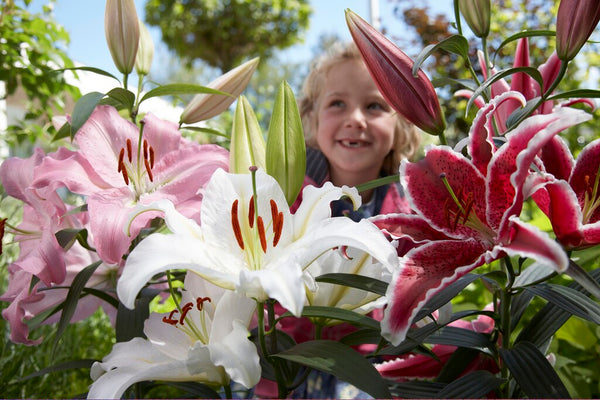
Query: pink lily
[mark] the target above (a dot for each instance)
(412, 96)
(26, 302)
(475, 214)
(575, 22)
(571, 198)
(116, 176)
(44, 212)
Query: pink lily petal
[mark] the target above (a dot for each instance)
(481, 145)
(426, 187)
(521, 82)
(557, 158)
(510, 167)
(424, 271)
(527, 240)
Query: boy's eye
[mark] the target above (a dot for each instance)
(336, 103)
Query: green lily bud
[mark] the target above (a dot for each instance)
(145, 53)
(477, 13)
(204, 106)
(575, 22)
(122, 31)
(247, 147)
(286, 151)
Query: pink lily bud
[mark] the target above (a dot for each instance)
(204, 106)
(477, 14)
(412, 96)
(575, 22)
(145, 53)
(122, 31)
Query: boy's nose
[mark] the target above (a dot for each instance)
(356, 118)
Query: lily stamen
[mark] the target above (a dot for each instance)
(235, 223)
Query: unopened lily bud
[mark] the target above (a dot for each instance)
(204, 106)
(122, 33)
(145, 52)
(477, 13)
(575, 22)
(248, 146)
(412, 96)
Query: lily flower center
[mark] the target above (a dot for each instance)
(137, 173)
(591, 199)
(179, 318)
(458, 209)
(251, 234)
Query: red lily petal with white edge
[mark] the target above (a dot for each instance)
(425, 185)
(511, 164)
(425, 271)
(557, 158)
(481, 135)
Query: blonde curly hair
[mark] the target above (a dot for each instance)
(406, 135)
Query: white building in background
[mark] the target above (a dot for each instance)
(13, 108)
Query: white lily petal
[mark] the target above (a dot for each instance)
(237, 354)
(131, 362)
(158, 253)
(315, 204)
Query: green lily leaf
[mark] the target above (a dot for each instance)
(247, 142)
(339, 360)
(64, 366)
(569, 300)
(533, 72)
(456, 44)
(339, 314)
(122, 98)
(83, 109)
(285, 149)
(453, 336)
(356, 281)
(532, 371)
(70, 303)
(130, 323)
(577, 93)
(416, 389)
(179, 88)
(475, 385)
(362, 336)
(523, 34)
(446, 295)
(63, 132)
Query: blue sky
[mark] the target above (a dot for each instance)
(84, 20)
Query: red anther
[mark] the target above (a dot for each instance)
(200, 302)
(251, 212)
(261, 234)
(149, 170)
(235, 224)
(274, 210)
(145, 149)
(277, 228)
(125, 176)
(170, 320)
(129, 151)
(151, 157)
(121, 156)
(184, 311)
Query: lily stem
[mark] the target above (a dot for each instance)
(260, 308)
(505, 317)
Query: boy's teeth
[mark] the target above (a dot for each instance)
(351, 144)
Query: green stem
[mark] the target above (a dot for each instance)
(260, 308)
(227, 389)
(505, 315)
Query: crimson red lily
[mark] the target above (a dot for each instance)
(571, 198)
(474, 213)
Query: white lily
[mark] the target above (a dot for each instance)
(253, 245)
(205, 340)
(354, 262)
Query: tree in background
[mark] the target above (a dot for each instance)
(245, 28)
(31, 48)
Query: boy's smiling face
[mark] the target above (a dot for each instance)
(355, 126)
